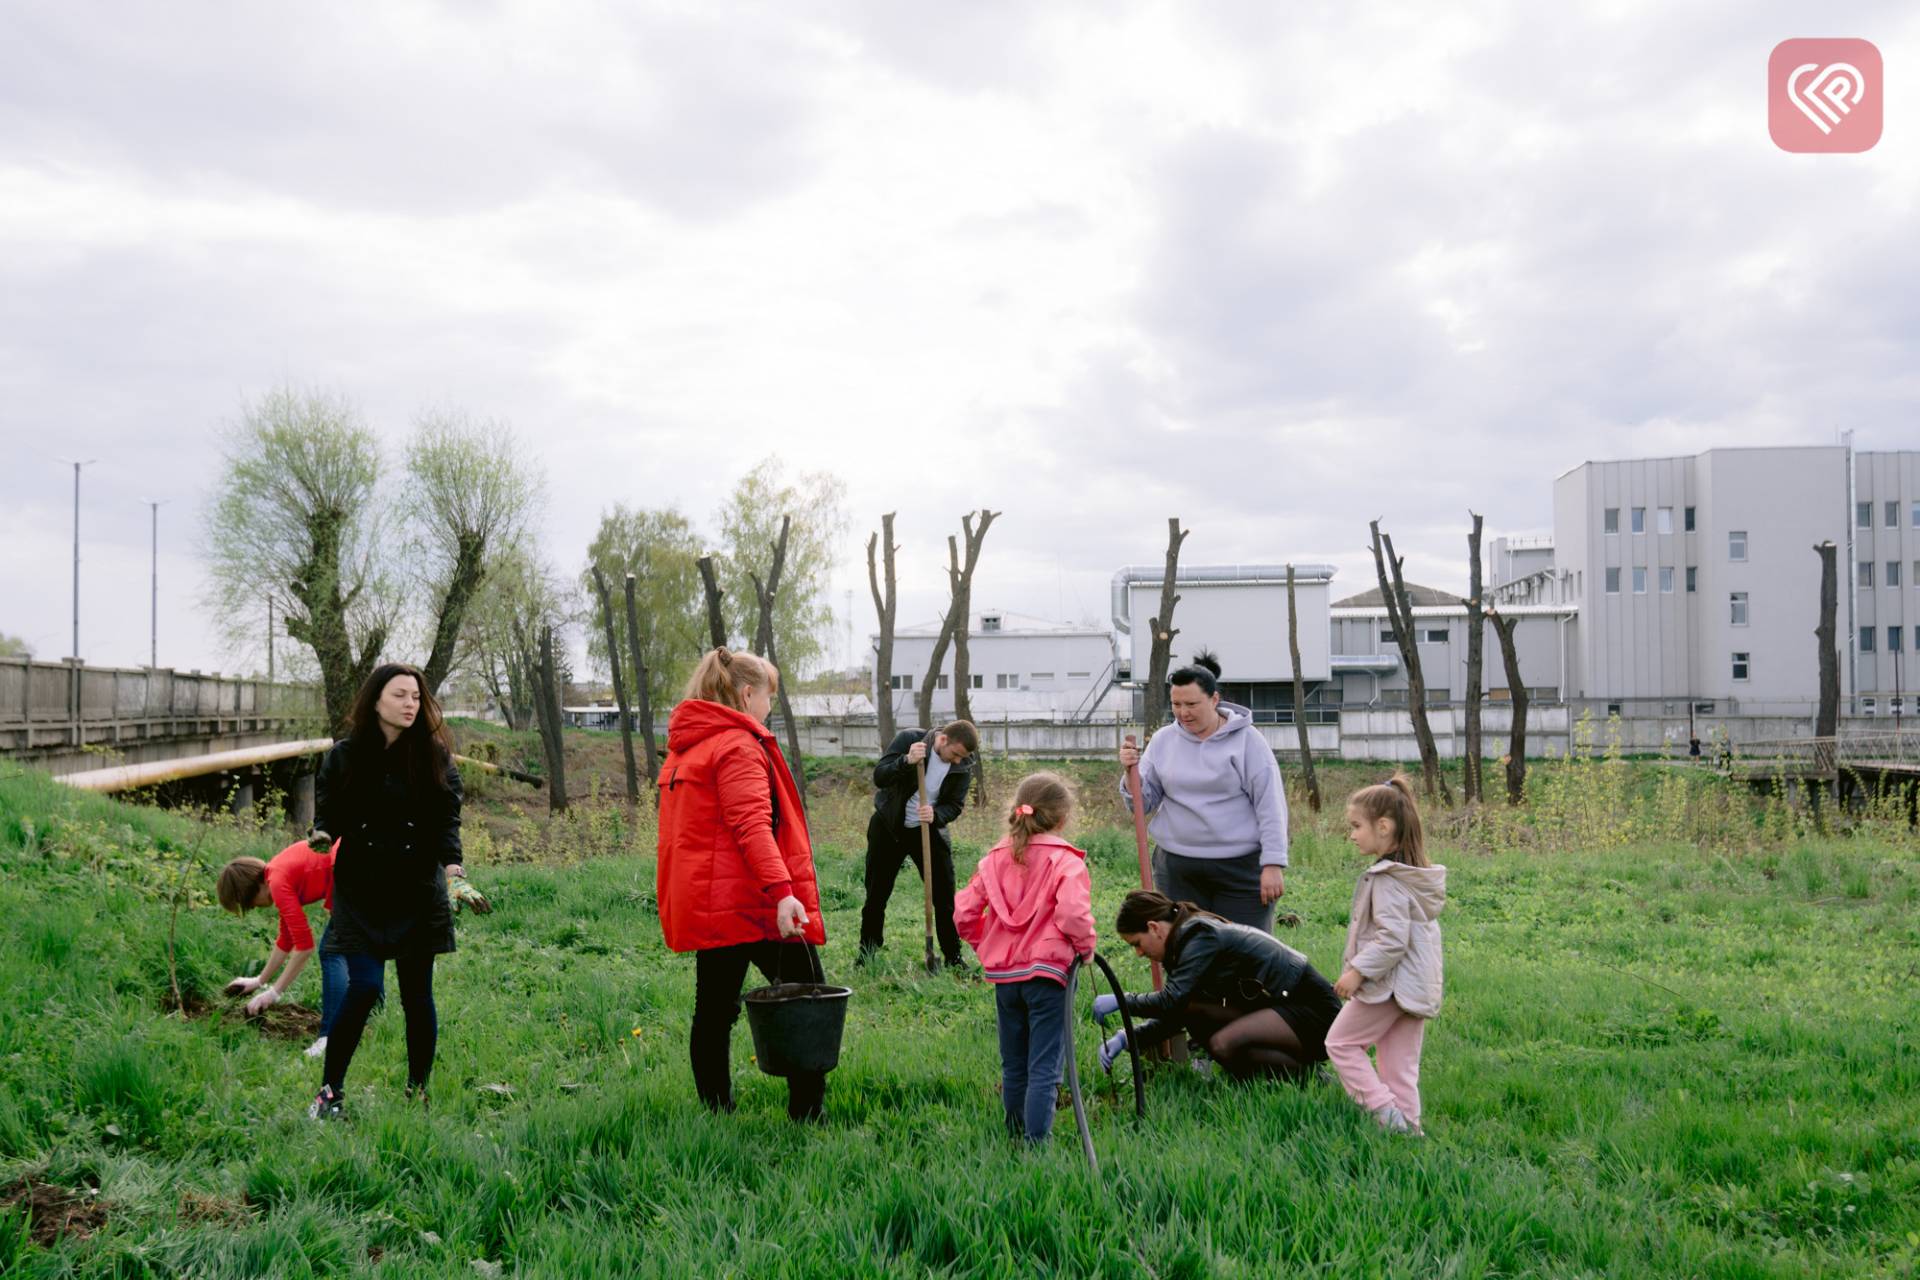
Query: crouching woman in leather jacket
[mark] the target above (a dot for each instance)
(1257, 1005)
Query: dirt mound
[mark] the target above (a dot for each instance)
(279, 1022)
(55, 1212)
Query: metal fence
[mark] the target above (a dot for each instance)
(52, 705)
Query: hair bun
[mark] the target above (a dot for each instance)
(1205, 658)
(725, 655)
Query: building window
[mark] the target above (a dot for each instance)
(1688, 518)
(1663, 520)
(1613, 709)
(1613, 581)
(1897, 705)
(942, 682)
(1863, 514)
(1666, 579)
(1739, 602)
(1913, 517)
(1740, 665)
(1865, 568)
(1639, 519)
(1007, 680)
(1736, 544)
(1610, 520)
(1079, 675)
(901, 682)
(1703, 708)
(1866, 706)
(1436, 635)
(1693, 579)
(1038, 676)
(989, 622)
(1866, 639)
(1439, 697)
(976, 681)
(1893, 639)
(1893, 573)
(1386, 636)
(1639, 579)
(1893, 514)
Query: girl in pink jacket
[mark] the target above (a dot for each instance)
(1028, 912)
(1391, 967)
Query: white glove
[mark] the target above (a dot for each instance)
(262, 1002)
(240, 986)
(1113, 1047)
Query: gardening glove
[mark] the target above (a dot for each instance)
(240, 986)
(464, 895)
(1115, 1045)
(1105, 1007)
(262, 1002)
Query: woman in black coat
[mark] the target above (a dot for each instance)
(1258, 1006)
(390, 794)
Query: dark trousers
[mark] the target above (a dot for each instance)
(366, 979)
(333, 981)
(887, 847)
(1227, 887)
(1033, 1038)
(719, 973)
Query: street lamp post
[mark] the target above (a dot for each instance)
(153, 656)
(76, 549)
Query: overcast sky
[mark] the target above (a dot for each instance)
(1275, 268)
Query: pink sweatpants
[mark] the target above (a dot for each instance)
(1396, 1036)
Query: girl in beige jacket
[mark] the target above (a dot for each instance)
(1391, 977)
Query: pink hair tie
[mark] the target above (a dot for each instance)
(1024, 810)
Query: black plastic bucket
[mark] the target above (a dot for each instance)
(797, 1026)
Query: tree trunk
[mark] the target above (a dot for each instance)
(642, 699)
(554, 721)
(1517, 692)
(469, 571)
(766, 593)
(1472, 783)
(1828, 723)
(883, 607)
(321, 623)
(1161, 652)
(1400, 613)
(923, 698)
(962, 575)
(1300, 699)
(716, 625)
(619, 684)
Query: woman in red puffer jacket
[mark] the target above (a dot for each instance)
(736, 877)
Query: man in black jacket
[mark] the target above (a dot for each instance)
(893, 833)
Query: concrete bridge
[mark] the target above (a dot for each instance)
(66, 717)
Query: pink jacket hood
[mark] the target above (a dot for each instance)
(1028, 920)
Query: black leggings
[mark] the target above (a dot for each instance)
(366, 976)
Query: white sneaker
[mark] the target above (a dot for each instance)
(1392, 1119)
(318, 1049)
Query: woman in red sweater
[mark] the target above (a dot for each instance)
(735, 863)
(296, 876)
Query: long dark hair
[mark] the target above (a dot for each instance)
(424, 745)
(1144, 906)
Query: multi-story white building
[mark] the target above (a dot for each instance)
(1698, 583)
(1020, 667)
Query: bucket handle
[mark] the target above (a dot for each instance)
(813, 967)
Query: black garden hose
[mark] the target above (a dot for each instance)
(1133, 1044)
(1073, 1073)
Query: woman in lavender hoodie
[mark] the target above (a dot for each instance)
(1218, 806)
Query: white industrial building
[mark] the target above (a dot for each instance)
(1021, 668)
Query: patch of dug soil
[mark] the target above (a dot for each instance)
(197, 1207)
(279, 1022)
(55, 1212)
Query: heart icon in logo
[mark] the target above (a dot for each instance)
(1832, 92)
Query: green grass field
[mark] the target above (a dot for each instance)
(1679, 1040)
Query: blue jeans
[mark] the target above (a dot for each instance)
(366, 983)
(1033, 1037)
(333, 982)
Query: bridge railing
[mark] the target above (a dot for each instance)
(1825, 755)
(46, 704)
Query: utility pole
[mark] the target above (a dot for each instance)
(153, 655)
(87, 462)
(269, 639)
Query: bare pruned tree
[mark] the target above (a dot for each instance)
(1393, 592)
(1160, 654)
(1827, 724)
(643, 699)
(716, 624)
(1517, 693)
(767, 593)
(1300, 698)
(619, 683)
(552, 721)
(884, 603)
(960, 578)
(1471, 782)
